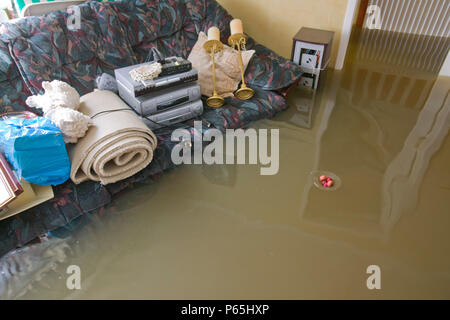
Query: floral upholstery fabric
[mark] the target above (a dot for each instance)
(13, 91)
(269, 70)
(44, 48)
(166, 25)
(115, 34)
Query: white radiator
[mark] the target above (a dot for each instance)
(422, 17)
(412, 34)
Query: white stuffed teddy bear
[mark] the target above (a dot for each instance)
(59, 104)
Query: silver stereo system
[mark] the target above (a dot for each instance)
(156, 102)
(181, 113)
(164, 100)
(140, 88)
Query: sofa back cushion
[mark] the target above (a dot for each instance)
(168, 25)
(13, 90)
(56, 46)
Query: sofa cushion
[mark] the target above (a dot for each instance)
(167, 25)
(45, 48)
(13, 94)
(13, 90)
(7, 67)
(240, 113)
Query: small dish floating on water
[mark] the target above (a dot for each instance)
(325, 180)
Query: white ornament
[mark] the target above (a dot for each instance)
(73, 124)
(57, 94)
(146, 72)
(59, 104)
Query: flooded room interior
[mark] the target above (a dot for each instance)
(225, 150)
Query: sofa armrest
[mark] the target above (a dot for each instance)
(270, 71)
(39, 8)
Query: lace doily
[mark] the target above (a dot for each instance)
(146, 72)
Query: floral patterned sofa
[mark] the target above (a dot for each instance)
(112, 35)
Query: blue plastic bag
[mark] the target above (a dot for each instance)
(35, 148)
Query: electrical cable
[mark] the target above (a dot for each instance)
(129, 109)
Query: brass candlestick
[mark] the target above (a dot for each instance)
(214, 46)
(239, 40)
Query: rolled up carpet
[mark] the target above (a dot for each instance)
(116, 146)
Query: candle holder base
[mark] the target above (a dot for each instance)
(244, 93)
(213, 46)
(237, 39)
(215, 101)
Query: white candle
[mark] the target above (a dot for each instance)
(214, 33)
(236, 26)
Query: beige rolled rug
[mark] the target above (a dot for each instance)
(116, 146)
